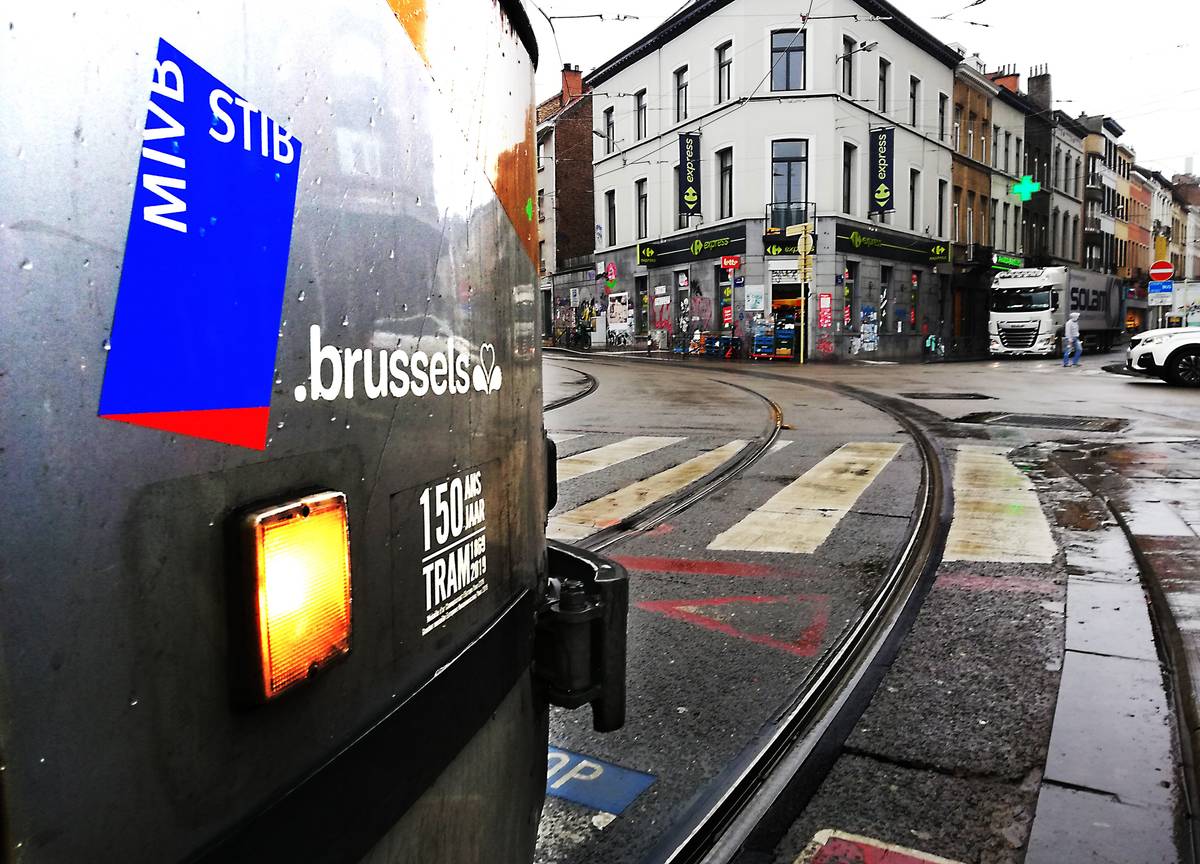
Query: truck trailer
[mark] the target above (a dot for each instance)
(1029, 309)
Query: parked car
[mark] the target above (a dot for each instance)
(1172, 354)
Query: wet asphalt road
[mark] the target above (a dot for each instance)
(697, 694)
(949, 757)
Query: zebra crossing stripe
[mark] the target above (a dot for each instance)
(620, 505)
(802, 515)
(997, 516)
(571, 467)
(560, 437)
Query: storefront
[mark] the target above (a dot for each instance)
(690, 297)
(889, 294)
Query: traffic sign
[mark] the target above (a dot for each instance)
(1160, 293)
(1161, 271)
(800, 229)
(804, 244)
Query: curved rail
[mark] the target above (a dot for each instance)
(766, 788)
(659, 512)
(744, 811)
(574, 397)
(747, 808)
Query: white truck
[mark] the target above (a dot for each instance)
(1030, 308)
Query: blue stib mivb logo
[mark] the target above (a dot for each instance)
(196, 324)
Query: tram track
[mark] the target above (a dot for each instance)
(563, 401)
(742, 813)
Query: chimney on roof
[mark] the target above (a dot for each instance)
(1007, 77)
(1039, 87)
(572, 83)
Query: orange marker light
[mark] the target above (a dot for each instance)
(302, 587)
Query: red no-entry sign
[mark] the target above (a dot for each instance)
(1161, 271)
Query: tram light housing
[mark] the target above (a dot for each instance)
(300, 567)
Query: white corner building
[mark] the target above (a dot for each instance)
(785, 109)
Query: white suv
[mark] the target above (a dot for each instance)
(1172, 354)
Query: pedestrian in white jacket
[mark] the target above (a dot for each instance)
(1071, 342)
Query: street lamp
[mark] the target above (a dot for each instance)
(862, 46)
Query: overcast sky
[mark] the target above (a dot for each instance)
(1138, 62)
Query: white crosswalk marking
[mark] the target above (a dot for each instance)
(802, 515)
(571, 467)
(560, 437)
(611, 509)
(996, 512)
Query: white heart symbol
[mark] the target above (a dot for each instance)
(487, 373)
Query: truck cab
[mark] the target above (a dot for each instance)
(1027, 311)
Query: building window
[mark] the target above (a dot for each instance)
(849, 158)
(1074, 234)
(541, 205)
(724, 72)
(1007, 141)
(725, 182)
(943, 101)
(610, 210)
(885, 69)
(639, 114)
(541, 153)
(914, 98)
(941, 217)
(970, 217)
(681, 87)
(957, 221)
(643, 209)
(541, 256)
(610, 131)
(971, 135)
(956, 140)
(1054, 233)
(914, 188)
(789, 182)
(787, 59)
(1004, 228)
(992, 225)
(995, 144)
(848, 66)
(1018, 155)
(681, 218)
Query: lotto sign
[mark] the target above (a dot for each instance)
(731, 262)
(196, 324)
(726, 315)
(824, 311)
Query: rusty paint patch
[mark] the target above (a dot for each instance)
(515, 183)
(836, 847)
(412, 16)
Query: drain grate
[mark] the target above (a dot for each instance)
(945, 396)
(1049, 421)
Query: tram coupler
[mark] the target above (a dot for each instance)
(580, 652)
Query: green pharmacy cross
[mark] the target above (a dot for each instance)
(1026, 188)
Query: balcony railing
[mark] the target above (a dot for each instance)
(782, 214)
(1091, 223)
(1094, 181)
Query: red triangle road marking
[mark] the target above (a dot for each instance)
(808, 643)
